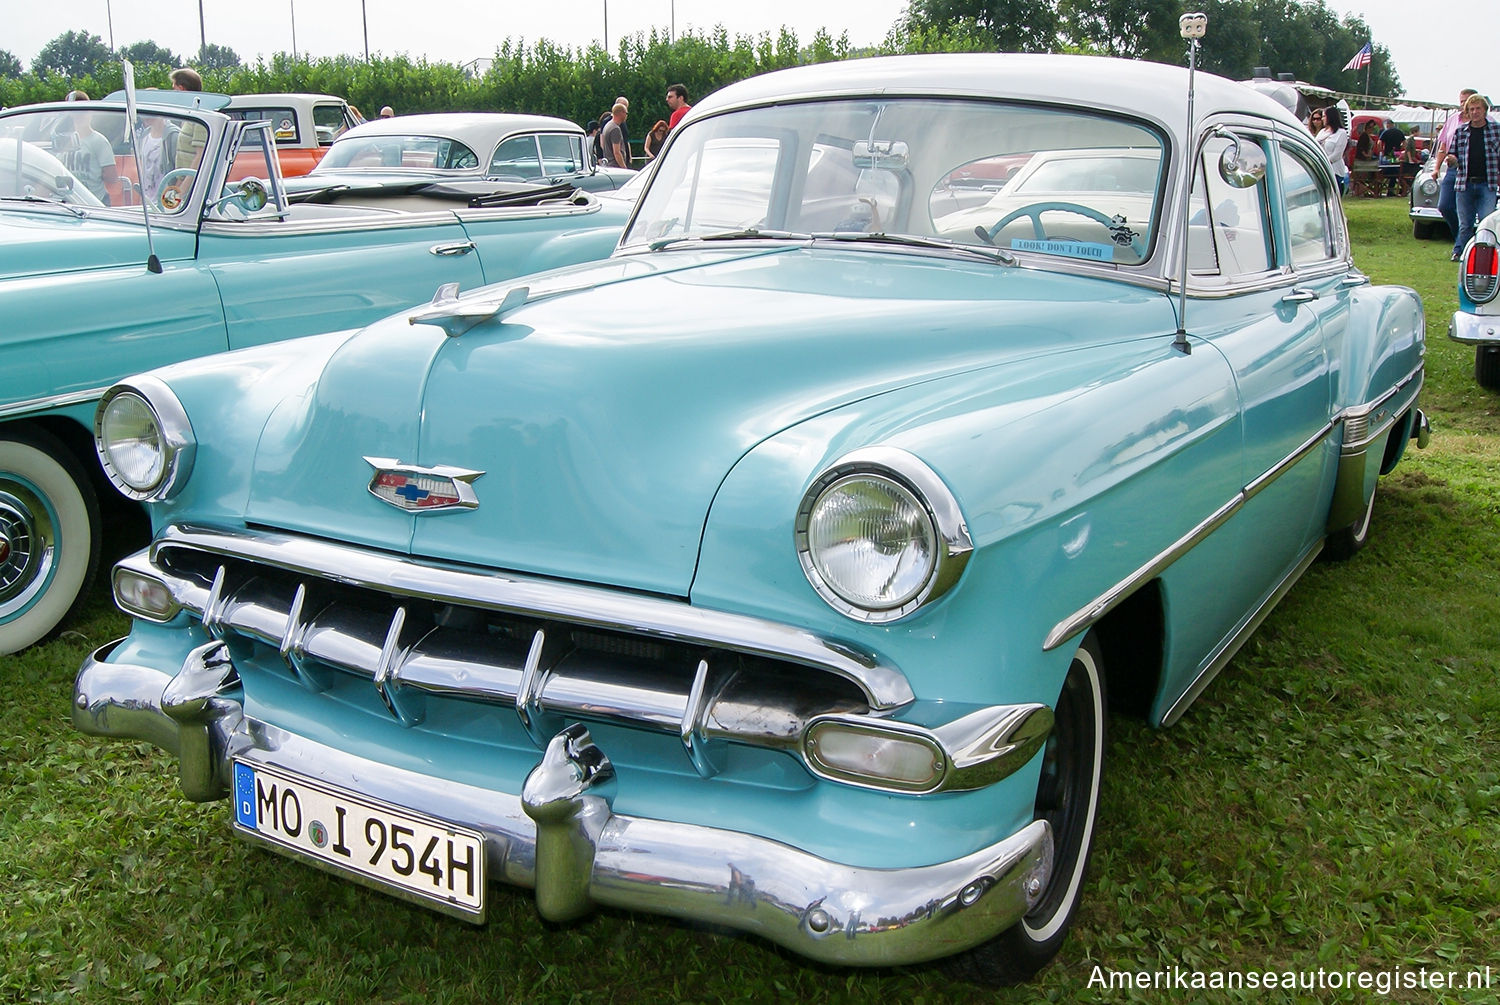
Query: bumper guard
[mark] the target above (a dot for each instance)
(561, 837)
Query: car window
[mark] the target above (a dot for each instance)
(1309, 216)
(562, 153)
(398, 151)
(1228, 227)
(726, 185)
(516, 158)
(330, 121)
(1048, 181)
(283, 122)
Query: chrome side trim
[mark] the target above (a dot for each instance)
(884, 685)
(52, 401)
(1354, 418)
(1086, 617)
(1221, 656)
(579, 853)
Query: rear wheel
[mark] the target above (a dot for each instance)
(1487, 366)
(1067, 798)
(49, 536)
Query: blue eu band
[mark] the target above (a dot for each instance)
(244, 795)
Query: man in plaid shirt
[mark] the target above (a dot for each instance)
(1476, 145)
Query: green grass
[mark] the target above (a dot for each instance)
(1332, 801)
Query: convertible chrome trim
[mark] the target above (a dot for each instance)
(1353, 418)
(560, 836)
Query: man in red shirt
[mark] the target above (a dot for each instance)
(678, 102)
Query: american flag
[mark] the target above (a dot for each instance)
(1361, 59)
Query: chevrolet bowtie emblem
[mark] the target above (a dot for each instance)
(422, 490)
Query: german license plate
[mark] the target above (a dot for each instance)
(414, 855)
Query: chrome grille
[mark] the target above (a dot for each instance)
(547, 668)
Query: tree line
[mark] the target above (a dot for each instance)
(578, 83)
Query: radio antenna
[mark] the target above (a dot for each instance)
(1192, 26)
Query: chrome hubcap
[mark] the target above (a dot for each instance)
(28, 547)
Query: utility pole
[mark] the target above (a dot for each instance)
(364, 16)
(606, 25)
(202, 33)
(109, 16)
(293, 4)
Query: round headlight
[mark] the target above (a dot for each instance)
(1428, 187)
(131, 440)
(143, 438)
(871, 541)
(879, 535)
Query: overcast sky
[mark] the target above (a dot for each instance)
(1438, 45)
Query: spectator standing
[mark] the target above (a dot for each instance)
(1476, 152)
(655, 138)
(1392, 139)
(612, 138)
(185, 78)
(85, 152)
(1334, 139)
(387, 112)
(1447, 195)
(190, 137)
(677, 100)
(624, 129)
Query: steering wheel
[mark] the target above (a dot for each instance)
(1118, 232)
(168, 194)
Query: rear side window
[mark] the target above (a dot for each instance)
(1311, 237)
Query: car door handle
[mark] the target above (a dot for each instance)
(461, 248)
(1349, 282)
(1299, 296)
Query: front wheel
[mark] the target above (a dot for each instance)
(1067, 797)
(49, 536)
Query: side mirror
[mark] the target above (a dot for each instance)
(1243, 164)
(248, 194)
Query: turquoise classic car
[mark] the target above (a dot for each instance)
(89, 293)
(775, 573)
(1477, 320)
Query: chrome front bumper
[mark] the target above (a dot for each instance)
(560, 836)
(1474, 329)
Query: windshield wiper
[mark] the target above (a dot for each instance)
(746, 234)
(911, 241)
(81, 214)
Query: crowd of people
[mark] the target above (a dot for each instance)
(610, 137)
(1465, 152)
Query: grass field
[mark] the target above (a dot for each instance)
(1332, 801)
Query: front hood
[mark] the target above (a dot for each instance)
(42, 241)
(604, 419)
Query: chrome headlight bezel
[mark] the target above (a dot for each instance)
(174, 435)
(901, 469)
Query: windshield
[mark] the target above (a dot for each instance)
(1048, 181)
(428, 153)
(83, 158)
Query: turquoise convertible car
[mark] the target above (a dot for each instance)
(777, 572)
(90, 293)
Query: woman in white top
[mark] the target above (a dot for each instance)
(1334, 139)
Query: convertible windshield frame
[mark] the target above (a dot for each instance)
(941, 170)
(80, 155)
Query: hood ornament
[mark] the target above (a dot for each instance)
(456, 316)
(422, 490)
